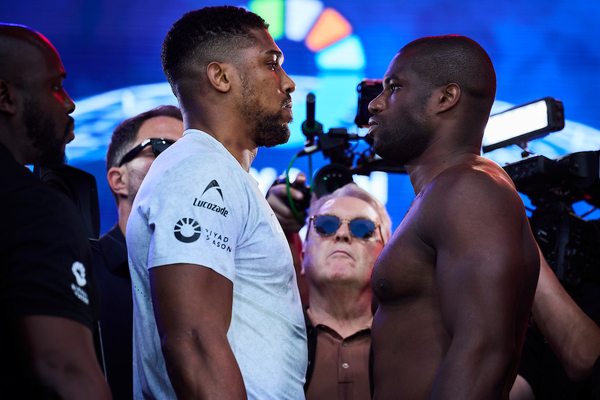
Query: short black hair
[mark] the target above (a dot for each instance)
(440, 60)
(125, 134)
(207, 35)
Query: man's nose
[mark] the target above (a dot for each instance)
(376, 105)
(69, 104)
(287, 84)
(343, 233)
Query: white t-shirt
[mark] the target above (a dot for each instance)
(197, 205)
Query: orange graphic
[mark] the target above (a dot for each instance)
(330, 28)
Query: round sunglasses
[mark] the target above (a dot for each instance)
(361, 228)
(158, 146)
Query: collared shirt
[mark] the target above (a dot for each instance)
(340, 369)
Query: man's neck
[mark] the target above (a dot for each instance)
(431, 163)
(123, 209)
(344, 311)
(240, 147)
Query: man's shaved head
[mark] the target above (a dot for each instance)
(18, 45)
(440, 60)
(34, 108)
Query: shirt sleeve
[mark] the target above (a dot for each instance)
(46, 261)
(196, 214)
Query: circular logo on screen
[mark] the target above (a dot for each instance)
(187, 230)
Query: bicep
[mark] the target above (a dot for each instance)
(480, 261)
(61, 356)
(188, 297)
(193, 307)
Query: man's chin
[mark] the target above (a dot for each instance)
(53, 161)
(279, 135)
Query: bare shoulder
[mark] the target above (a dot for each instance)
(480, 182)
(479, 194)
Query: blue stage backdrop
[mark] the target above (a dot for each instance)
(111, 50)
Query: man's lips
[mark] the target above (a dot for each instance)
(342, 252)
(372, 125)
(71, 130)
(287, 106)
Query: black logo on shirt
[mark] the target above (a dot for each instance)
(213, 184)
(187, 230)
(211, 206)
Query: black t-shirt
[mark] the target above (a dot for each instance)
(45, 263)
(116, 314)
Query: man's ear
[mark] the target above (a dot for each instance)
(449, 97)
(118, 180)
(7, 98)
(219, 76)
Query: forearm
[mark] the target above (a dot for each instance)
(203, 367)
(474, 372)
(573, 336)
(71, 380)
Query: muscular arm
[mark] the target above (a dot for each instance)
(486, 269)
(573, 336)
(61, 357)
(192, 305)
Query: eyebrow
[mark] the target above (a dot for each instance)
(277, 53)
(387, 80)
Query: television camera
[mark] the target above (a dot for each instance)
(570, 243)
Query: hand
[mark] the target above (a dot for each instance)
(277, 199)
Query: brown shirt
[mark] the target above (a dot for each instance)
(341, 368)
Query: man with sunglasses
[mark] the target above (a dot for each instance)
(346, 232)
(217, 312)
(456, 282)
(134, 145)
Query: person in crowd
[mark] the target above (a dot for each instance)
(455, 284)
(346, 232)
(48, 297)
(216, 307)
(134, 145)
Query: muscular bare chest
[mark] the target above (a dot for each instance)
(406, 267)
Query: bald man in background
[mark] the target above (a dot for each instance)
(48, 299)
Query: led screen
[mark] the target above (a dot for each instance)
(111, 48)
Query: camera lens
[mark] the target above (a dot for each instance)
(331, 177)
